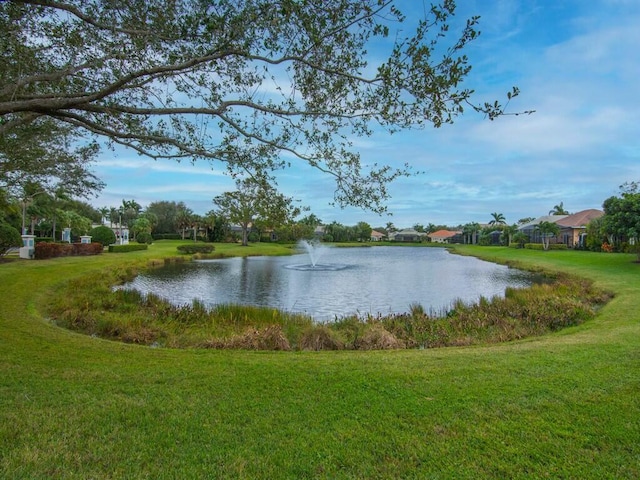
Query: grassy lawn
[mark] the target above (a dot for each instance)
(565, 405)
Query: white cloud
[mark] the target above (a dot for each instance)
(150, 165)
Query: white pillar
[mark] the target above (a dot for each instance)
(28, 248)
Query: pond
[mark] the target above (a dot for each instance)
(362, 280)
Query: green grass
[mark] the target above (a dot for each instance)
(565, 405)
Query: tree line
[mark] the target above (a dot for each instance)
(257, 212)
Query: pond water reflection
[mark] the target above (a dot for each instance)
(374, 280)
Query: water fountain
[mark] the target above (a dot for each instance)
(344, 281)
(314, 251)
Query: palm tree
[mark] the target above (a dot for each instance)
(547, 230)
(197, 221)
(57, 199)
(470, 232)
(558, 210)
(104, 212)
(508, 233)
(184, 218)
(114, 214)
(130, 210)
(498, 219)
(520, 238)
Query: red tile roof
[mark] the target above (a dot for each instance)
(580, 219)
(442, 234)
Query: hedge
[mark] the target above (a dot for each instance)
(195, 248)
(167, 236)
(52, 250)
(131, 247)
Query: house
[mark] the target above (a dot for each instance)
(407, 235)
(376, 236)
(573, 228)
(494, 237)
(530, 229)
(443, 236)
(319, 231)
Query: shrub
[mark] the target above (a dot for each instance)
(103, 235)
(484, 240)
(9, 238)
(167, 236)
(44, 239)
(45, 250)
(195, 248)
(606, 247)
(132, 247)
(144, 237)
(93, 248)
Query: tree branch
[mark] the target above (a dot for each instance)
(87, 19)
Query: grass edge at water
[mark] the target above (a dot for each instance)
(90, 305)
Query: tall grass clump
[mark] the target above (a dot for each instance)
(92, 305)
(377, 337)
(320, 337)
(268, 338)
(537, 310)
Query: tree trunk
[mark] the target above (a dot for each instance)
(245, 235)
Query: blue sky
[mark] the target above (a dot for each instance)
(577, 64)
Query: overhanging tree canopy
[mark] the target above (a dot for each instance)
(47, 153)
(253, 83)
